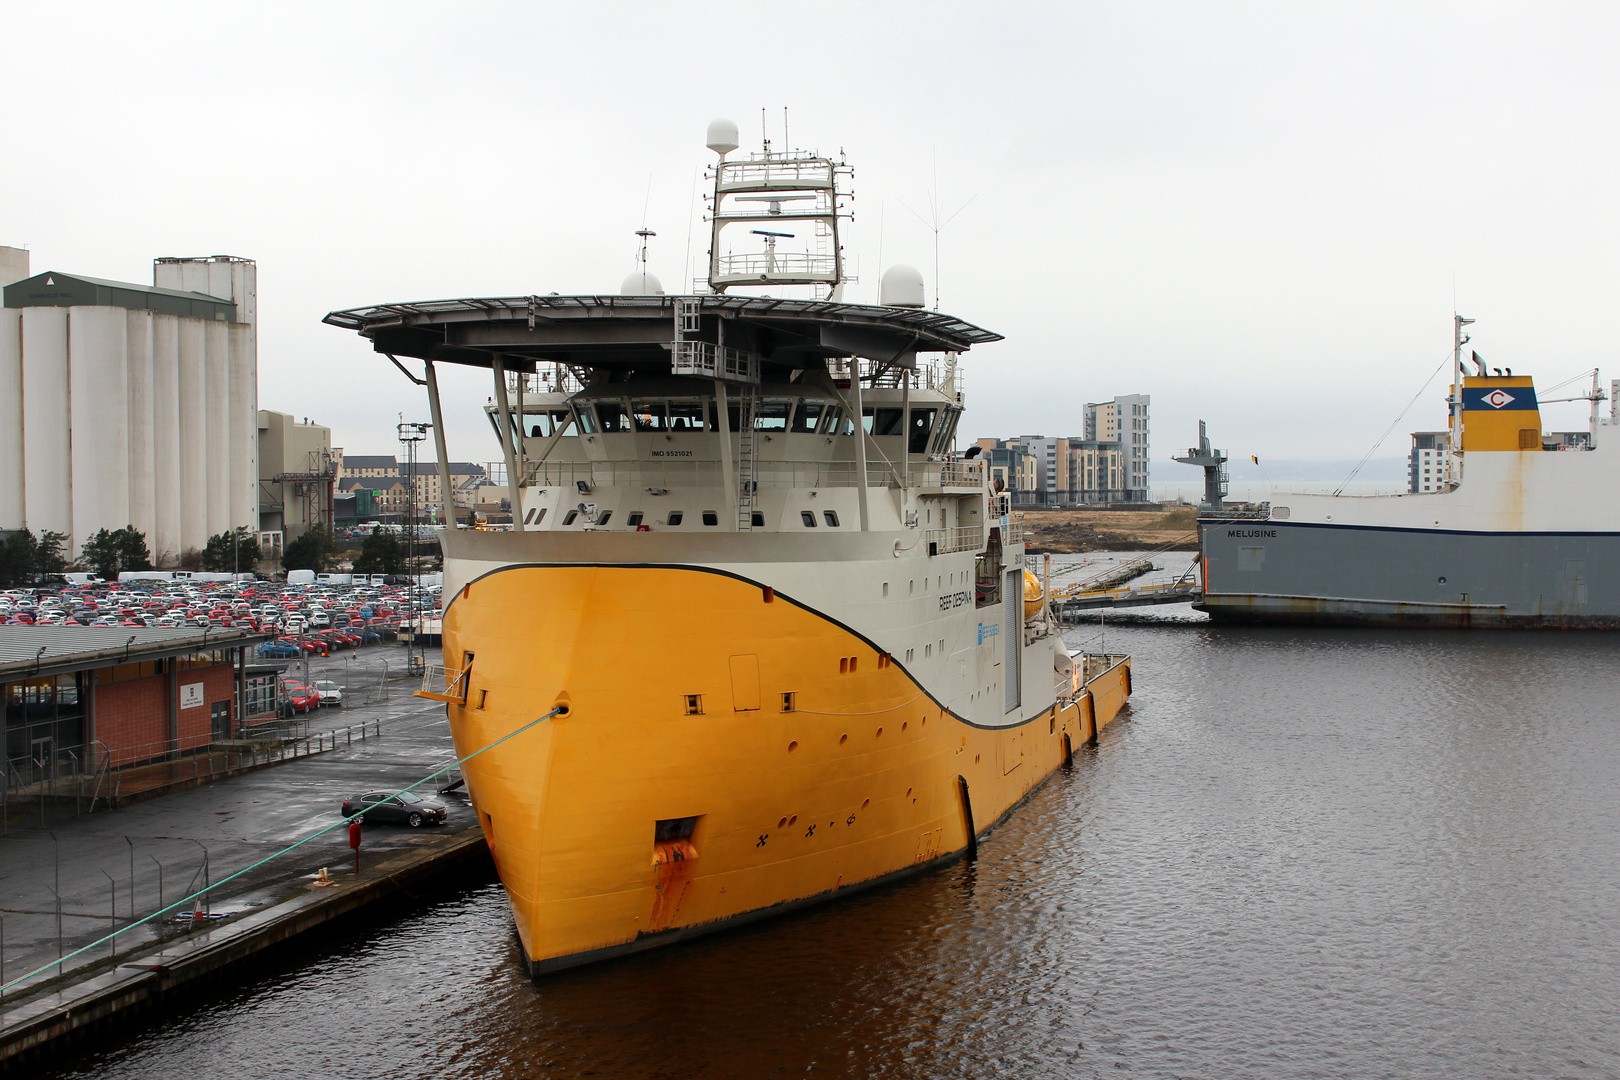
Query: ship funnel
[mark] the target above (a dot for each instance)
(722, 136)
(902, 286)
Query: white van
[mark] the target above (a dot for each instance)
(300, 577)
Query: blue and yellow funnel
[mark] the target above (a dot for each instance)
(1500, 413)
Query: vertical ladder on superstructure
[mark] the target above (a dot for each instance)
(747, 485)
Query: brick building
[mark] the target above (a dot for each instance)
(87, 697)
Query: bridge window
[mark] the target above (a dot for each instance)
(544, 425)
(612, 417)
(808, 517)
(832, 422)
(922, 422)
(649, 415)
(882, 421)
(808, 418)
(587, 419)
(686, 416)
(772, 415)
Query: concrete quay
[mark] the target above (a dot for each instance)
(111, 868)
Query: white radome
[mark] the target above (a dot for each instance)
(641, 283)
(722, 136)
(902, 286)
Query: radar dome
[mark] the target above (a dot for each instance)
(641, 283)
(722, 136)
(902, 286)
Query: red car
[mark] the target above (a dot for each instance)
(304, 698)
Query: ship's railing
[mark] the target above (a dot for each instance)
(1013, 530)
(961, 538)
(785, 264)
(550, 379)
(714, 361)
(940, 375)
(785, 474)
(784, 173)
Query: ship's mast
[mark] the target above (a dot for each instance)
(1458, 340)
(776, 195)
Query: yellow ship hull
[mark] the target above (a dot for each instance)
(726, 753)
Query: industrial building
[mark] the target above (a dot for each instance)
(125, 404)
(298, 471)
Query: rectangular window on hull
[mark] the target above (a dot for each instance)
(711, 518)
(808, 517)
(675, 517)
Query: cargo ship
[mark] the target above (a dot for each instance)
(1516, 536)
(786, 637)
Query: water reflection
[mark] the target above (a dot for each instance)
(1302, 853)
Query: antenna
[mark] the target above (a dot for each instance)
(786, 145)
(763, 133)
(935, 225)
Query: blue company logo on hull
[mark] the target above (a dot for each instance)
(1499, 398)
(988, 630)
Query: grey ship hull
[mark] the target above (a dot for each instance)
(1330, 574)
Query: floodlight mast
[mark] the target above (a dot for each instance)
(410, 434)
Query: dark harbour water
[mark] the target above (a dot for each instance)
(1302, 853)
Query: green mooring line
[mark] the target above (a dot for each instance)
(246, 869)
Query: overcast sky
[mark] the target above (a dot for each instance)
(1262, 215)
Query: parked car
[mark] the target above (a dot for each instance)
(304, 698)
(384, 807)
(279, 649)
(331, 693)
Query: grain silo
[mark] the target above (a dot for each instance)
(135, 404)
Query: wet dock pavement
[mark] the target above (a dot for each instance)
(111, 868)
